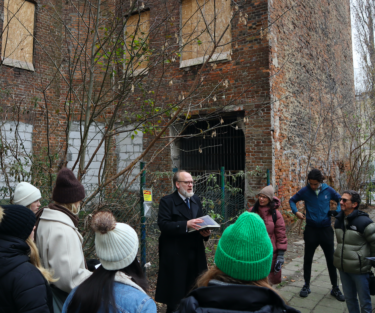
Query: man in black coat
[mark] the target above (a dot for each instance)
(182, 255)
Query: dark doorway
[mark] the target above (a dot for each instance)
(204, 153)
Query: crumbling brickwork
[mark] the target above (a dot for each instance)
(312, 86)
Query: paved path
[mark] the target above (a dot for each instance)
(320, 299)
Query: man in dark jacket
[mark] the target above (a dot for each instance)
(318, 230)
(182, 255)
(355, 233)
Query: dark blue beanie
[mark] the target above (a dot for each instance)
(17, 221)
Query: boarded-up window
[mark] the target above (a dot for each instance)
(137, 50)
(203, 22)
(18, 31)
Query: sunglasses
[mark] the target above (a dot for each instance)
(344, 200)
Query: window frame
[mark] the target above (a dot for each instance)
(29, 66)
(216, 57)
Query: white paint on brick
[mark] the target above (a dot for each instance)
(128, 149)
(20, 136)
(93, 140)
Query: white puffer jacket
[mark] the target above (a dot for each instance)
(60, 249)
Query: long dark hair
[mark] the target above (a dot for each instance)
(97, 290)
(271, 205)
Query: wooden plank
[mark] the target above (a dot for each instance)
(17, 41)
(139, 27)
(199, 28)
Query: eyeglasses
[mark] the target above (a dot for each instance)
(261, 197)
(344, 200)
(187, 182)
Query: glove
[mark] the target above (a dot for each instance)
(280, 256)
(332, 213)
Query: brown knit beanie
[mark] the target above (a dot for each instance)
(268, 192)
(67, 188)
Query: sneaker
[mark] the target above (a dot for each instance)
(337, 294)
(305, 291)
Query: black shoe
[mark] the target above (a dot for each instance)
(337, 294)
(305, 291)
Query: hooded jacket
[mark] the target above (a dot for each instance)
(219, 297)
(23, 287)
(276, 232)
(317, 206)
(355, 236)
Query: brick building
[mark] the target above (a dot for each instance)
(288, 76)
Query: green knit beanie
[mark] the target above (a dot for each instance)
(245, 249)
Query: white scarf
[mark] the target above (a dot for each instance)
(122, 278)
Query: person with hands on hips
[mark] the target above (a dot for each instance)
(318, 230)
(182, 255)
(267, 208)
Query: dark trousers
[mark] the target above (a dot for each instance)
(190, 279)
(315, 237)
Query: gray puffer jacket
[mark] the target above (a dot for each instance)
(355, 241)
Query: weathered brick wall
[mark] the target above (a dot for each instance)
(312, 86)
(291, 65)
(32, 97)
(248, 90)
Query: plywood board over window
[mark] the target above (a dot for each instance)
(18, 32)
(203, 23)
(136, 34)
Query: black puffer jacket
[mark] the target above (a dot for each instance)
(23, 287)
(219, 297)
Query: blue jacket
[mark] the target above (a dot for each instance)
(317, 207)
(128, 300)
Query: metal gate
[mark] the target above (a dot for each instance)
(205, 154)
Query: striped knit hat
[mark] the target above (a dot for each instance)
(17, 221)
(245, 250)
(116, 244)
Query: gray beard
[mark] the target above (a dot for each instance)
(186, 194)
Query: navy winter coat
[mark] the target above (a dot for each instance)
(317, 206)
(23, 287)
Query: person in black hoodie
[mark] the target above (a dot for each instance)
(238, 280)
(23, 287)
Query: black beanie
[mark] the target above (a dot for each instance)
(67, 188)
(17, 221)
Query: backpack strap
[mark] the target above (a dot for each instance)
(274, 217)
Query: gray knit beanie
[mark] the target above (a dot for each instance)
(268, 192)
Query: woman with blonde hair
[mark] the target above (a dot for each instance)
(238, 280)
(27, 195)
(24, 283)
(58, 239)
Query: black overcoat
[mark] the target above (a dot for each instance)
(175, 244)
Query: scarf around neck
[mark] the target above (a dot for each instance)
(54, 206)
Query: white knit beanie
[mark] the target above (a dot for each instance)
(116, 244)
(25, 194)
